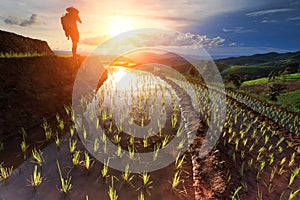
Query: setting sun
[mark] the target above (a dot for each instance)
(120, 24)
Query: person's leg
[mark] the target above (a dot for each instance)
(74, 48)
(75, 39)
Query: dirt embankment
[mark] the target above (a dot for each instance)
(33, 88)
(291, 85)
(13, 43)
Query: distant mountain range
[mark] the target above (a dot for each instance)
(271, 58)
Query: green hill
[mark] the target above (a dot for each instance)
(259, 65)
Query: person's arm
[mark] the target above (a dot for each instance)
(78, 19)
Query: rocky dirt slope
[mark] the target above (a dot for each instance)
(13, 43)
(32, 88)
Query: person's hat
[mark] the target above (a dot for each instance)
(72, 9)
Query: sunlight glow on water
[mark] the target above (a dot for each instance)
(122, 78)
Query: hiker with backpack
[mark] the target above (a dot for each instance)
(69, 24)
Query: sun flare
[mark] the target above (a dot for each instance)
(120, 24)
(119, 73)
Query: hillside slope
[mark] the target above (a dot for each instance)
(13, 43)
(259, 65)
(32, 88)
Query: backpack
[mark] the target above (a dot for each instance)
(65, 22)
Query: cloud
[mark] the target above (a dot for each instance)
(189, 39)
(294, 18)
(181, 40)
(238, 30)
(12, 21)
(294, 3)
(94, 41)
(33, 20)
(162, 17)
(265, 12)
(154, 39)
(177, 15)
(266, 21)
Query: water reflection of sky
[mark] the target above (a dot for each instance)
(122, 78)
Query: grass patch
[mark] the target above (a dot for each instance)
(295, 76)
(256, 81)
(252, 71)
(290, 100)
(63, 55)
(250, 68)
(21, 55)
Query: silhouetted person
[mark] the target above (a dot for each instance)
(69, 23)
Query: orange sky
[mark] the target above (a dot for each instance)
(101, 19)
(234, 26)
